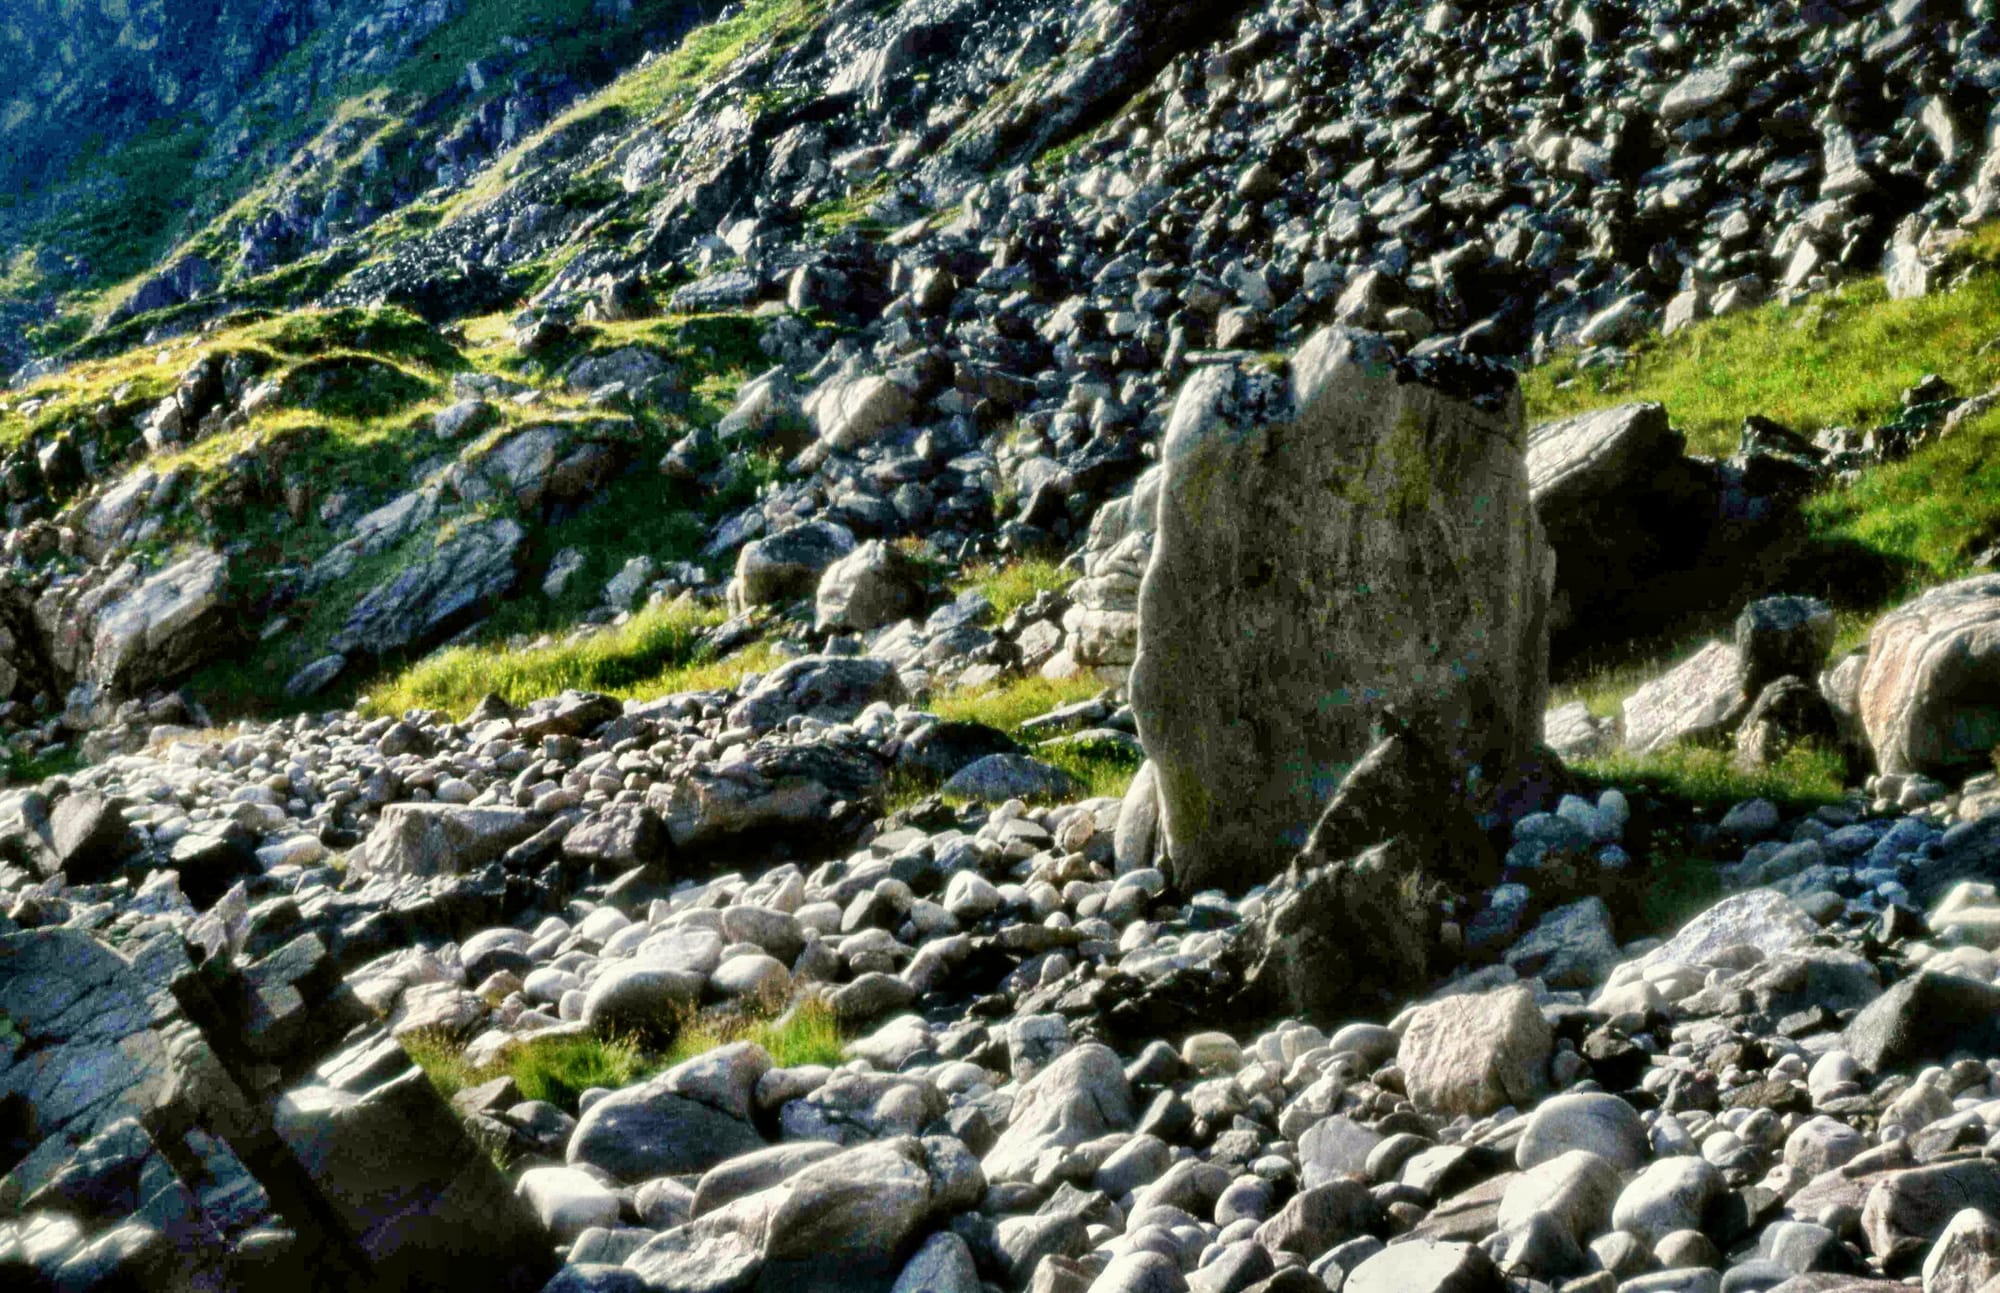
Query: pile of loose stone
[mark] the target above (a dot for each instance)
(1044, 1087)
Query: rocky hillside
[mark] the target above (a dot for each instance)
(1159, 648)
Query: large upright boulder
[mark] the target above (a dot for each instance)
(1930, 692)
(173, 621)
(1351, 536)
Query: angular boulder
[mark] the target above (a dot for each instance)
(434, 597)
(1930, 692)
(1355, 538)
(443, 839)
(852, 412)
(1352, 919)
(832, 689)
(788, 564)
(1699, 699)
(173, 621)
(1081, 1096)
(871, 586)
(775, 789)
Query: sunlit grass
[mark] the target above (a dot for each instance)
(655, 653)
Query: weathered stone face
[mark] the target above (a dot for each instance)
(1328, 546)
(1929, 695)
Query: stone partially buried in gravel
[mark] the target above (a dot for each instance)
(833, 689)
(567, 1199)
(1903, 1212)
(643, 1132)
(940, 750)
(860, 1209)
(1426, 1266)
(1576, 1187)
(1000, 777)
(1965, 1256)
(1670, 1195)
(873, 585)
(1318, 1218)
(1082, 1096)
(1475, 1052)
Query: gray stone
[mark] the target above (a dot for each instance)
(1927, 1016)
(852, 412)
(566, 1200)
(1081, 1096)
(942, 1264)
(1701, 699)
(636, 997)
(757, 1170)
(1426, 1266)
(1576, 1187)
(1474, 1053)
(786, 790)
(1782, 636)
(1317, 1218)
(873, 585)
(1570, 947)
(1670, 1195)
(1589, 1120)
(644, 1132)
(1000, 777)
(1904, 1212)
(1299, 585)
(461, 580)
(788, 564)
(171, 622)
(1930, 691)
(443, 839)
(833, 689)
(1965, 1256)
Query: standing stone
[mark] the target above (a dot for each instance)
(1355, 538)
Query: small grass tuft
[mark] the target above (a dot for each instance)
(562, 1068)
(555, 1069)
(1006, 705)
(1013, 586)
(805, 1034)
(654, 653)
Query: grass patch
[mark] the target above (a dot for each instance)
(654, 653)
(1006, 705)
(1013, 586)
(555, 1069)
(1929, 514)
(1839, 359)
(805, 1034)
(659, 90)
(1103, 768)
(1805, 776)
